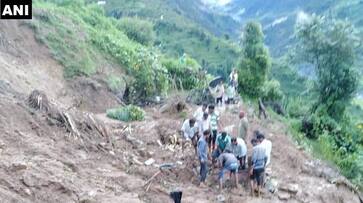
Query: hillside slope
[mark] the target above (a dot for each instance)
(42, 160)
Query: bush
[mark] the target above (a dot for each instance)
(185, 74)
(296, 107)
(271, 91)
(116, 84)
(138, 30)
(127, 113)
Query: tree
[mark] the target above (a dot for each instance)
(255, 62)
(329, 46)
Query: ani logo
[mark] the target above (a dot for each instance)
(15, 9)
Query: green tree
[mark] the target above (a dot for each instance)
(255, 62)
(329, 46)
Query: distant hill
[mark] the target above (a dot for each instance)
(278, 17)
(185, 26)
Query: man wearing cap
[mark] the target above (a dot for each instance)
(227, 162)
(242, 126)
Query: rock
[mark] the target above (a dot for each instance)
(149, 162)
(221, 198)
(18, 166)
(134, 160)
(159, 143)
(179, 163)
(283, 195)
(2, 145)
(291, 188)
(149, 153)
(27, 191)
(112, 153)
(272, 185)
(135, 142)
(144, 154)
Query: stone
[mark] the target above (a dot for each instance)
(291, 188)
(27, 191)
(283, 195)
(159, 143)
(18, 166)
(149, 162)
(221, 198)
(136, 161)
(272, 185)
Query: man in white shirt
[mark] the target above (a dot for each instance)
(189, 129)
(267, 144)
(239, 149)
(198, 114)
(233, 78)
(204, 124)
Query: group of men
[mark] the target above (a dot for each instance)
(218, 148)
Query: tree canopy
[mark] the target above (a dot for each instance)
(255, 61)
(329, 46)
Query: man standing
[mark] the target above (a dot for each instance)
(233, 78)
(257, 166)
(202, 149)
(261, 109)
(204, 124)
(242, 126)
(239, 150)
(227, 162)
(198, 114)
(267, 144)
(219, 93)
(214, 126)
(230, 94)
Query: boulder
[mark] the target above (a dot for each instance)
(283, 195)
(291, 188)
(149, 162)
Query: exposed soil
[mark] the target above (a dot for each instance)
(44, 162)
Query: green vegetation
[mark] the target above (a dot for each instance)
(186, 73)
(177, 34)
(255, 61)
(139, 30)
(116, 84)
(329, 46)
(127, 113)
(82, 39)
(271, 91)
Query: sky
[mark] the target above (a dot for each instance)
(217, 2)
